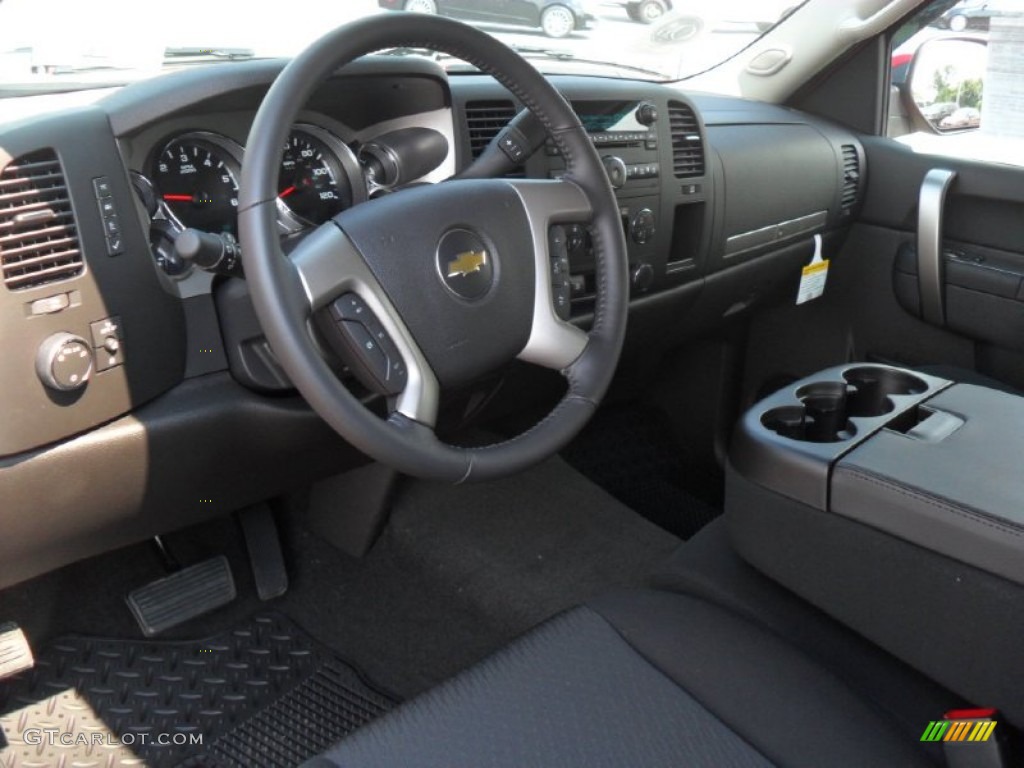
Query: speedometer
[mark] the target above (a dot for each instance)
(198, 180)
(319, 175)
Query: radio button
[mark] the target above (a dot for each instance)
(616, 170)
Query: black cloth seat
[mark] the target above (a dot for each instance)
(644, 678)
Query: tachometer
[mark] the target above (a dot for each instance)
(197, 178)
(319, 175)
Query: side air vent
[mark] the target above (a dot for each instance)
(851, 177)
(484, 119)
(687, 147)
(38, 239)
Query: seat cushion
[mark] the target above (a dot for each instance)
(707, 567)
(640, 678)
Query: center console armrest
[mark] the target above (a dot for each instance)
(961, 495)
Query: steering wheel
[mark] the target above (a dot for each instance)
(443, 283)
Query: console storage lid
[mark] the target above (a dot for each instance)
(956, 488)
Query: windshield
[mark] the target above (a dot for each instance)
(48, 45)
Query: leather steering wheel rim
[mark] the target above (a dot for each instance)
(284, 295)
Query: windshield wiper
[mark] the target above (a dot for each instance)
(196, 53)
(557, 54)
(14, 90)
(546, 53)
(407, 51)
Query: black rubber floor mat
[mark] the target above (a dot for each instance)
(265, 694)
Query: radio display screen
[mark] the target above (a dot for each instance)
(609, 116)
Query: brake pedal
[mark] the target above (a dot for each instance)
(15, 653)
(183, 595)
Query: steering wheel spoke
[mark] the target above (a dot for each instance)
(554, 342)
(338, 283)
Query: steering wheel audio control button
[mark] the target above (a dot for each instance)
(350, 307)
(367, 347)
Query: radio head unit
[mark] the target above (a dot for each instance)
(619, 123)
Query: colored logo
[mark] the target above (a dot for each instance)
(466, 263)
(962, 725)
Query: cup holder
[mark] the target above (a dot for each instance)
(872, 387)
(822, 416)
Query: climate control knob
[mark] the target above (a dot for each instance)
(64, 362)
(615, 167)
(641, 229)
(647, 114)
(643, 278)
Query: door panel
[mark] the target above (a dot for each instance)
(985, 204)
(979, 289)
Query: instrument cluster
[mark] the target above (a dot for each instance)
(191, 182)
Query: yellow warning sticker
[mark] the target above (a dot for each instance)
(813, 276)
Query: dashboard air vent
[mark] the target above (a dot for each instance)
(38, 239)
(484, 119)
(687, 147)
(851, 177)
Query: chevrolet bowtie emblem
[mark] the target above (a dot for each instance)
(466, 263)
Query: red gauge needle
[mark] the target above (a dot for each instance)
(178, 198)
(287, 192)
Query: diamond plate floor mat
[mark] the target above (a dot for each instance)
(265, 694)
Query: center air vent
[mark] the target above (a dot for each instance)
(38, 239)
(485, 119)
(851, 177)
(687, 147)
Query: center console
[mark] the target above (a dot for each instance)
(894, 501)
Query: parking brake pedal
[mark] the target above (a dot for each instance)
(183, 595)
(15, 653)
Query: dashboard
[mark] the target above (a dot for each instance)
(122, 358)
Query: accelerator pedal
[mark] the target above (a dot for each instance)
(15, 653)
(265, 554)
(182, 596)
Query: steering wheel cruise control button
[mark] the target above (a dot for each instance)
(561, 284)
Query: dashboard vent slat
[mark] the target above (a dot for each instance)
(687, 145)
(484, 119)
(38, 237)
(851, 177)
